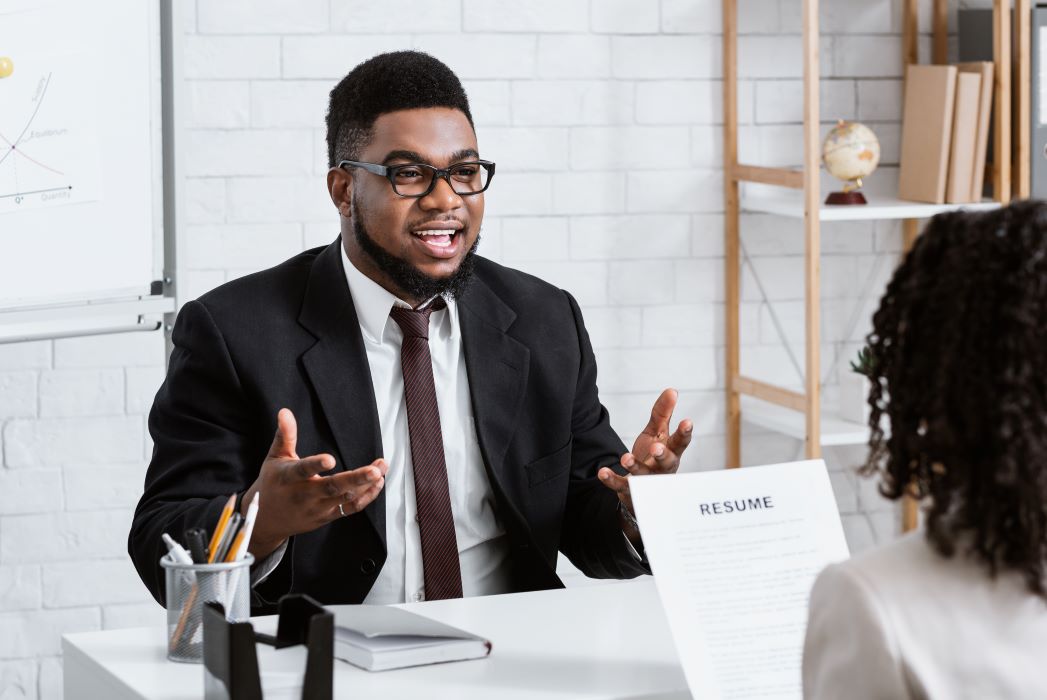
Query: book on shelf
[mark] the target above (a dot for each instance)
(981, 145)
(380, 638)
(927, 120)
(964, 138)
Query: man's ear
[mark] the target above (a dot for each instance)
(340, 188)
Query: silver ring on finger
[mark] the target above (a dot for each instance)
(342, 511)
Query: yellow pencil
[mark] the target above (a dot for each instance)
(235, 547)
(219, 529)
(243, 537)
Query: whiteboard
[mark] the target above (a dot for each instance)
(80, 170)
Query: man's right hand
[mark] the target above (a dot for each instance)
(295, 498)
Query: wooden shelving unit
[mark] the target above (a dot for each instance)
(800, 413)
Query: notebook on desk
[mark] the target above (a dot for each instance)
(380, 638)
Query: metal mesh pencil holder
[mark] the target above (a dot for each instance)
(188, 587)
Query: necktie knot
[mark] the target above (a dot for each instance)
(415, 322)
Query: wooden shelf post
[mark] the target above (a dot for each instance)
(940, 43)
(910, 35)
(812, 230)
(1022, 101)
(732, 231)
(1001, 53)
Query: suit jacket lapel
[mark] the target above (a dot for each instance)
(498, 366)
(337, 367)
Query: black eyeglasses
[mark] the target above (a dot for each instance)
(418, 179)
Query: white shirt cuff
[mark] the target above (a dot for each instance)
(632, 550)
(261, 571)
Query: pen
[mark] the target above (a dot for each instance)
(177, 551)
(194, 539)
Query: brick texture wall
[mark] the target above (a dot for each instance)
(604, 117)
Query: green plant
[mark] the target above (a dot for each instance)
(864, 363)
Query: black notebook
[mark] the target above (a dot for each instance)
(379, 638)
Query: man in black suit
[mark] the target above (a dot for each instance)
(454, 457)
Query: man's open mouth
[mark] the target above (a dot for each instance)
(440, 238)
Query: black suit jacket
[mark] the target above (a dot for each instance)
(289, 337)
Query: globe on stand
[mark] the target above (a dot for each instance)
(850, 152)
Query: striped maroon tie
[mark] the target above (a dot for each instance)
(443, 574)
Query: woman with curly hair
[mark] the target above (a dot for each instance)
(959, 374)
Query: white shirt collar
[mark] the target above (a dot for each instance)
(373, 303)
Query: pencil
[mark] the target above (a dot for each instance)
(231, 528)
(239, 549)
(243, 538)
(219, 530)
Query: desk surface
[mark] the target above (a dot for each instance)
(600, 641)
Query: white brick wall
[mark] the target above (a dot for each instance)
(604, 118)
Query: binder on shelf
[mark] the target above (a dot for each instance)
(974, 32)
(231, 669)
(981, 143)
(964, 138)
(930, 93)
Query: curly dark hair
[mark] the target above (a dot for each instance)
(386, 83)
(959, 367)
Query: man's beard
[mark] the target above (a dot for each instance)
(408, 278)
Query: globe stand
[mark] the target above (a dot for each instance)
(850, 152)
(852, 197)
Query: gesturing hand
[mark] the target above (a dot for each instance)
(296, 498)
(655, 450)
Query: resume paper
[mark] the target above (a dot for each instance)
(734, 555)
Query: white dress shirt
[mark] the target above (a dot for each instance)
(483, 548)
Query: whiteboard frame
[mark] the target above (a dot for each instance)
(172, 44)
(129, 312)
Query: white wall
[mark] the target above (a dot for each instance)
(604, 119)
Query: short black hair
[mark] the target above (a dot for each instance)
(959, 370)
(387, 83)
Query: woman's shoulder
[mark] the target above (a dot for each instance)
(911, 563)
(907, 584)
(904, 570)
(910, 553)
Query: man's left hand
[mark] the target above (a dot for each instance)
(654, 452)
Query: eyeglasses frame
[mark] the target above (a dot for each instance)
(389, 172)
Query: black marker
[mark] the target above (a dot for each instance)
(195, 539)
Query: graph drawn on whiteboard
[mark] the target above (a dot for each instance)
(48, 134)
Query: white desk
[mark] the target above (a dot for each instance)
(601, 641)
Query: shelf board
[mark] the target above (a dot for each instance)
(835, 430)
(879, 207)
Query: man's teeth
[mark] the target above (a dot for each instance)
(440, 238)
